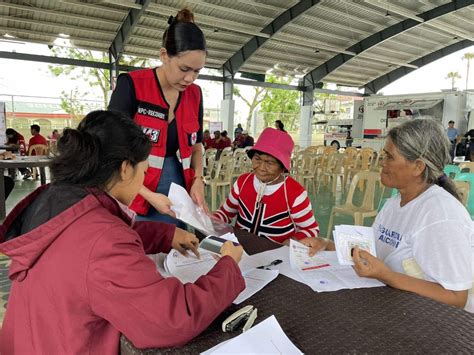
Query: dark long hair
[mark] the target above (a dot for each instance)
(183, 34)
(92, 154)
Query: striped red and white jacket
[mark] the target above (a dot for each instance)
(283, 214)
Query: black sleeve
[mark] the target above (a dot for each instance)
(200, 120)
(123, 98)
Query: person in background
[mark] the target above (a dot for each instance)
(245, 140)
(15, 140)
(54, 135)
(207, 140)
(220, 141)
(424, 235)
(216, 140)
(279, 125)
(17, 143)
(36, 138)
(79, 270)
(238, 130)
(453, 136)
(470, 141)
(269, 203)
(226, 142)
(168, 106)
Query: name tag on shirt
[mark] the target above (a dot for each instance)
(154, 111)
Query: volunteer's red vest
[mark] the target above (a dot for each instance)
(152, 116)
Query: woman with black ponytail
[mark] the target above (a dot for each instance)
(168, 106)
(79, 270)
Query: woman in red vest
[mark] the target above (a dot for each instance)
(168, 106)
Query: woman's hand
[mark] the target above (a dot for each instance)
(161, 203)
(367, 265)
(314, 244)
(197, 194)
(235, 252)
(184, 241)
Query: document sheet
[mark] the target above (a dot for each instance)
(322, 272)
(267, 337)
(187, 211)
(347, 237)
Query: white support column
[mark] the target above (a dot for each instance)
(306, 129)
(227, 116)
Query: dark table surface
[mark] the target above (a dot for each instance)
(370, 320)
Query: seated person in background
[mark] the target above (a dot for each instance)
(245, 140)
(54, 135)
(37, 137)
(268, 202)
(225, 141)
(17, 142)
(217, 140)
(78, 264)
(15, 139)
(207, 140)
(424, 235)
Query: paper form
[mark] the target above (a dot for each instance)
(301, 261)
(255, 280)
(189, 268)
(266, 337)
(347, 237)
(187, 211)
(335, 277)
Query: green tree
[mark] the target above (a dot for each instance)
(281, 104)
(468, 57)
(453, 76)
(71, 103)
(259, 94)
(95, 77)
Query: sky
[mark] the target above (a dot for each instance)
(34, 79)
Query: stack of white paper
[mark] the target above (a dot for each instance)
(347, 237)
(190, 268)
(266, 337)
(322, 272)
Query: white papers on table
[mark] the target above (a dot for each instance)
(255, 280)
(267, 337)
(335, 277)
(347, 237)
(189, 268)
(300, 259)
(187, 211)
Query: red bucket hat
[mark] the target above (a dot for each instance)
(276, 143)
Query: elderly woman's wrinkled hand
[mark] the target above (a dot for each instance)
(367, 265)
(314, 244)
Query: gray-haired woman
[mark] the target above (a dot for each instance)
(424, 235)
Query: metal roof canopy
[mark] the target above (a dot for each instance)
(362, 43)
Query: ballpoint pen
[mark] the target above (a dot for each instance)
(273, 263)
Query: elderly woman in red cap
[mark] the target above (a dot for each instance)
(268, 202)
